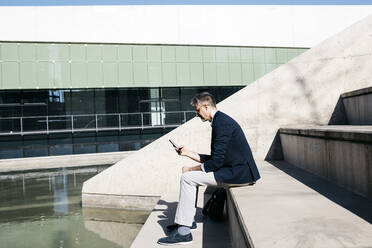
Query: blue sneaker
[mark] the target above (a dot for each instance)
(171, 228)
(176, 239)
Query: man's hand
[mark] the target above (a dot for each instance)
(187, 169)
(182, 151)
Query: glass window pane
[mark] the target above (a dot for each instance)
(106, 101)
(59, 102)
(82, 102)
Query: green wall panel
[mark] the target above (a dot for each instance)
(27, 52)
(125, 53)
(258, 55)
(195, 54)
(281, 55)
(270, 55)
(270, 67)
(45, 75)
(234, 54)
(110, 74)
(235, 73)
(183, 73)
(94, 53)
(61, 52)
(94, 74)
(182, 54)
(223, 74)
(10, 71)
(259, 70)
(168, 54)
(43, 52)
(28, 72)
(210, 73)
(246, 55)
(222, 54)
(65, 65)
(125, 73)
(139, 53)
(155, 72)
(9, 51)
(109, 53)
(154, 54)
(247, 72)
(169, 74)
(196, 74)
(77, 52)
(62, 75)
(140, 72)
(79, 74)
(209, 54)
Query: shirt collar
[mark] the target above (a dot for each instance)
(213, 117)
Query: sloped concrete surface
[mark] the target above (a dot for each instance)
(291, 208)
(302, 92)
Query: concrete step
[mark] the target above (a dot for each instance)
(358, 106)
(289, 207)
(341, 154)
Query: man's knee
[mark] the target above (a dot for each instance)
(185, 176)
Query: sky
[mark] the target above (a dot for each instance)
(180, 2)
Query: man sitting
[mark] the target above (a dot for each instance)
(230, 163)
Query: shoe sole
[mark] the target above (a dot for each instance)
(179, 243)
(191, 230)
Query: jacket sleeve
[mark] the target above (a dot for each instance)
(204, 157)
(220, 144)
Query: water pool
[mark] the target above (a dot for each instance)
(43, 209)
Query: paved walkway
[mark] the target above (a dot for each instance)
(209, 234)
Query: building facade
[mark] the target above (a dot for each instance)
(70, 90)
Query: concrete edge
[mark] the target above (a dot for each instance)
(236, 214)
(347, 135)
(363, 91)
(21, 165)
(126, 202)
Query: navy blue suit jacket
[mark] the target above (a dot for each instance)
(231, 158)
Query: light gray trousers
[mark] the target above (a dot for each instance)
(188, 188)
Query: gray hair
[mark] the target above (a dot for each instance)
(203, 97)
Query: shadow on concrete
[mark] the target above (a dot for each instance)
(215, 233)
(167, 216)
(356, 204)
(275, 151)
(339, 116)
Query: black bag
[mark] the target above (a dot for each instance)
(214, 208)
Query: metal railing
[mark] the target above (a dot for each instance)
(92, 122)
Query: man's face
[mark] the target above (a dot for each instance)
(202, 111)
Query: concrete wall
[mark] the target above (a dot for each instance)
(343, 162)
(303, 91)
(358, 107)
(247, 25)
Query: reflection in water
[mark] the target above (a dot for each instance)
(43, 209)
(60, 194)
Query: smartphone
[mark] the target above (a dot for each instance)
(174, 144)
